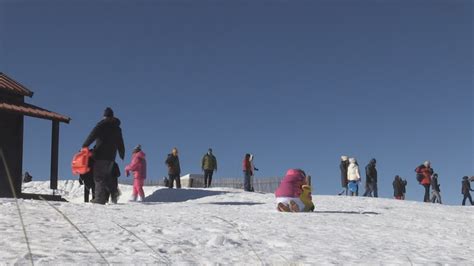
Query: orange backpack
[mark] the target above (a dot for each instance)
(80, 162)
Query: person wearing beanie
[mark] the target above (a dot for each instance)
(138, 167)
(353, 176)
(435, 190)
(343, 167)
(466, 190)
(423, 176)
(371, 179)
(208, 166)
(108, 139)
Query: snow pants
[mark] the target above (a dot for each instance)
(172, 179)
(105, 183)
(427, 193)
(435, 197)
(208, 177)
(467, 196)
(247, 186)
(138, 187)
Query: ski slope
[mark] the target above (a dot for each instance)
(227, 226)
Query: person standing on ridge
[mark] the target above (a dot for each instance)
(371, 179)
(247, 170)
(253, 169)
(353, 176)
(399, 188)
(174, 169)
(343, 166)
(435, 190)
(466, 191)
(423, 176)
(208, 165)
(107, 135)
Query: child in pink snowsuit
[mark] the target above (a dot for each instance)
(289, 192)
(138, 167)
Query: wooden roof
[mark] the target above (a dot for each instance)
(31, 110)
(10, 85)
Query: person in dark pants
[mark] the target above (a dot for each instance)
(344, 182)
(247, 170)
(466, 190)
(424, 173)
(371, 179)
(208, 165)
(107, 136)
(174, 169)
(399, 188)
(87, 180)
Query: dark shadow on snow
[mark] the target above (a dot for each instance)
(236, 203)
(180, 195)
(347, 212)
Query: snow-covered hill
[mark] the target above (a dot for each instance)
(226, 226)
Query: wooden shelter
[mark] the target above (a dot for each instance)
(12, 111)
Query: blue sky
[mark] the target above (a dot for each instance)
(297, 83)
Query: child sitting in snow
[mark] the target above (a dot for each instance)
(293, 194)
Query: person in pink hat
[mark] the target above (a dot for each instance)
(138, 167)
(289, 192)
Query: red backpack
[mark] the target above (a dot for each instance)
(80, 162)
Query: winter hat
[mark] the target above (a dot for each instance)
(352, 160)
(137, 148)
(427, 163)
(344, 158)
(435, 175)
(108, 112)
(296, 173)
(465, 178)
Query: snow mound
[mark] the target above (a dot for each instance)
(228, 226)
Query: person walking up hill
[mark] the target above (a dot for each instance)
(138, 167)
(107, 135)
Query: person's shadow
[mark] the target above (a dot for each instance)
(181, 195)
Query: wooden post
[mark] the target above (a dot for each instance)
(54, 155)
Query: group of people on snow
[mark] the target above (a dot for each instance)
(293, 194)
(351, 178)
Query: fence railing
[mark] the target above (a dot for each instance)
(269, 184)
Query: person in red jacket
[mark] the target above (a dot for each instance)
(248, 171)
(424, 173)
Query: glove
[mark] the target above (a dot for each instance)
(256, 169)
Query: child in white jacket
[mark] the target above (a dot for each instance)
(353, 176)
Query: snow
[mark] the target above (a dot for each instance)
(228, 226)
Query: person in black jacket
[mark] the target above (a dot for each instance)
(371, 180)
(174, 169)
(343, 167)
(435, 190)
(108, 139)
(399, 188)
(466, 190)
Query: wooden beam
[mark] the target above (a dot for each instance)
(54, 155)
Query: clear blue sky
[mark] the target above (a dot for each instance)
(297, 83)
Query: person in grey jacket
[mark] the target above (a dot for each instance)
(371, 179)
